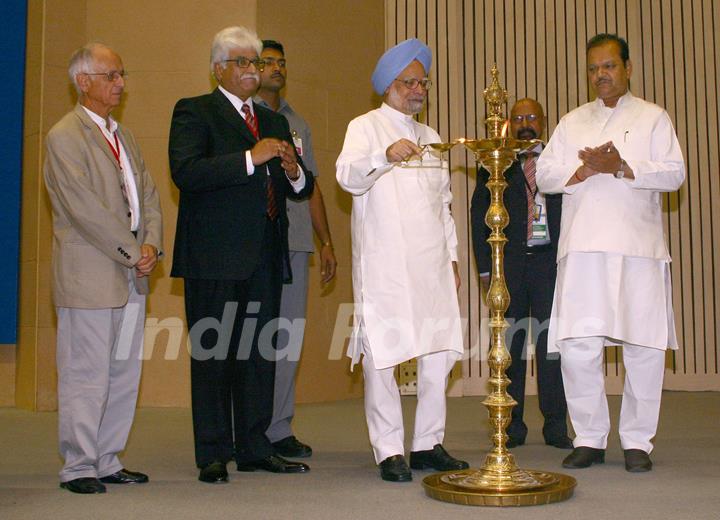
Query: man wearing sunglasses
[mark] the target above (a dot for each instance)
(530, 272)
(235, 165)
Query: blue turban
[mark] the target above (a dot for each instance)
(395, 59)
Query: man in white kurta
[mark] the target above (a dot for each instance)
(404, 263)
(612, 158)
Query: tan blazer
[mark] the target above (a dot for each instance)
(93, 248)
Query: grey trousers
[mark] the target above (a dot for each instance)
(293, 306)
(99, 359)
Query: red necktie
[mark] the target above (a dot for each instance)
(530, 189)
(252, 124)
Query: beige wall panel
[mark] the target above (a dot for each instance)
(30, 190)
(309, 98)
(711, 17)
(27, 306)
(704, 209)
(692, 187)
(150, 98)
(63, 31)
(33, 90)
(26, 368)
(543, 34)
(34, 45)
(582, 37)
(58, 95)
(166, 369)
(166, 35)
(511, 57)
(45, 309)
(44, 217)
(522, 62)
(684, 214)
(155, 154)
(7, 375)
(46, 370)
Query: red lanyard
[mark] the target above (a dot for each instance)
(115, 149)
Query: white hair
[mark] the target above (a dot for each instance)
(233, 38)
(83, 61)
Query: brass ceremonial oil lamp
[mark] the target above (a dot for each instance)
(499, 482)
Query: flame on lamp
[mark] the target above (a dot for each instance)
(503, 133)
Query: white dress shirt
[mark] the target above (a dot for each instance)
(297, 184)
(125, 166)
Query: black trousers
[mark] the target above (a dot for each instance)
(531, 283)
(232, 367)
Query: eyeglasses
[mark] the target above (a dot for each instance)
(530, 118)
(412, 83)
(243, 62)
(111, 75)
(269, 62)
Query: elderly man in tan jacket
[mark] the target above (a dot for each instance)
(107, 237)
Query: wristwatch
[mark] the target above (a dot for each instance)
(621, 173)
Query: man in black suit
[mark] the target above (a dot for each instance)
(234, 164)
(530, 271)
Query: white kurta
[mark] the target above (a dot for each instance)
(403, 242)
(613, 273)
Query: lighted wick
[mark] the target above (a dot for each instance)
(503, 133)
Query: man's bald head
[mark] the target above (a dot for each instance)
(527, 119)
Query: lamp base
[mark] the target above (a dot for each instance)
(471, 487)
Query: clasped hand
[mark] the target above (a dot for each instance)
(270, 147)
(601, 159)
(148, 260)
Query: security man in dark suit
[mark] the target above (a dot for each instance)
(234, 164)
(530, 270)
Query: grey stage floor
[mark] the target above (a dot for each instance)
(344, 482)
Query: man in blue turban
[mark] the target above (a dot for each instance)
(394, 61)
(404, 263)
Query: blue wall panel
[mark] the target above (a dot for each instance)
(13, 16)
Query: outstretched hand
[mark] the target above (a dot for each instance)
(402, 150)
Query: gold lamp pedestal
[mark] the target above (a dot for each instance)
(499, 482)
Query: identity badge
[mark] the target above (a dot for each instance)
(297, 141)
(539, 225)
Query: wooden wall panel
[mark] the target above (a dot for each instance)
(539, 47)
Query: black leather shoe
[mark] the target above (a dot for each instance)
(564, 442)
(637, 461)
(436, 458)
(274, 464)
(514, 442)
(395, 469)
(125, 476)
(214, 473)
(291, 447)
(85, 485)
(584, 457)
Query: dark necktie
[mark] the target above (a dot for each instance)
(252, 124)
(530, 189)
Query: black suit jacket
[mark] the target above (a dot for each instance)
(222, 210)
(515, 200)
